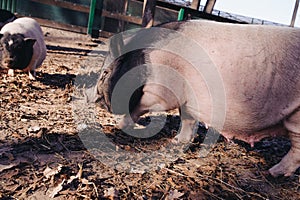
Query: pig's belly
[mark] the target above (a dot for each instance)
(251, 121)
(255, 136)
(247, 123)
(254, 106)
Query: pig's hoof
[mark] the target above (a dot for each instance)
(121, 125)
(288, 165)
(281, 169)
(11, 72)
(179, 139)
(31, 76)
(125, 123)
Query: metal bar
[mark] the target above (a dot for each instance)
(91, 16)
(148, 13)
(294, 14)
(180, 14)
(8, 3)
(4, 4)
(13, 6)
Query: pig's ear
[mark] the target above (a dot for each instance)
(30, 41)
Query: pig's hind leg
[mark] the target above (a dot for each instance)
(291, 161)
(188, 127)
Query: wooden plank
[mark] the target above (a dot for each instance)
(67, 27)
(192, 12)
(161, 5)
(134, 20)
(148, 13)
(65, 4)
(209, 6)
(165, 5)
(124, 11)
(195, 4)
(105, 34)
(58, 25)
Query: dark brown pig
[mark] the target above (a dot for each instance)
(241, 79)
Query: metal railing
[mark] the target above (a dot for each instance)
(8, 5)
(240, 18)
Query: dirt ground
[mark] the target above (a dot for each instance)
(47, 151)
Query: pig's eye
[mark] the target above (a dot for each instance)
(17, 48)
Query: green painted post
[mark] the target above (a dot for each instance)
(7, 5)
(180, 14)
(91, 16)
(3, 4)
(13, 6)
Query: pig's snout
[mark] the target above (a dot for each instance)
(8, 62)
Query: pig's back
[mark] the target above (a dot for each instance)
(26, 26)
(259, 66)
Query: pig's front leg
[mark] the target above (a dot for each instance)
(188, 127)
(148, 102)
(291, 161)
(130, 119)
(187, 130)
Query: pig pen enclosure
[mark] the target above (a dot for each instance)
(44, 156)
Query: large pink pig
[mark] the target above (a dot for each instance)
(258, 66)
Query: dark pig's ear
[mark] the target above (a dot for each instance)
(30, 41)
(1, 45)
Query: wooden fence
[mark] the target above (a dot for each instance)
(98, 16)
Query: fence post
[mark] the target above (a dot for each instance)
(148, 13)
(3, 4)
(180, 14)
(13, 6)
(9, 5)
(91, 16)
(294, 14)
(195, 4)
(94, 22)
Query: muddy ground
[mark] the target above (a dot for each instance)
(49, 148)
